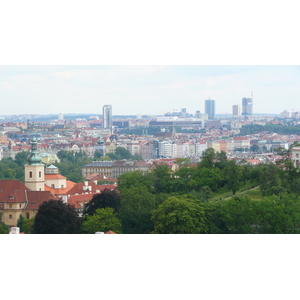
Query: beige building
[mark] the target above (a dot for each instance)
(98, 167)
(16, 199)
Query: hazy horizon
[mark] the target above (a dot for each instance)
(152, 90)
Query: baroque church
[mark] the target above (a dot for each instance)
(41, 184)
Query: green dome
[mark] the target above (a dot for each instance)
(100, 142)
(34, 158)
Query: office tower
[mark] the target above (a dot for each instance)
(107, 116)
(183, 113)
(198, 114)
(247, 106)
(210, 109)
(235, 110)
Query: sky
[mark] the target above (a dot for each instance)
(146, 89)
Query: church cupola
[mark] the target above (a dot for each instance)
(34, 170)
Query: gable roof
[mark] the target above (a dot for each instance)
(8, 186)
(36, 198)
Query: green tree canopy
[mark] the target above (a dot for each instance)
(136, 207)
(103, 220)
(56, 217)
(179, 215)
(107, 198)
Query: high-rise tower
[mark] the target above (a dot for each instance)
(210, 109)
(107, 116)
(247, 106)
(235, 110)
(34, 170)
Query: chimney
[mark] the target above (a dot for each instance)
(64, 198)
(96, 182)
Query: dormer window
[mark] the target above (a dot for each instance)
(11, 197)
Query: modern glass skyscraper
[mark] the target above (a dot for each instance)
(247, 106)
(210, 109)
(107, 116)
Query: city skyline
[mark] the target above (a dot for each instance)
(153, 90)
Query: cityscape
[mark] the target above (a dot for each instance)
(146, 173)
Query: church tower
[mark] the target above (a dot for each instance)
(34, 170)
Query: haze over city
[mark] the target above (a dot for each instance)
(147, 89)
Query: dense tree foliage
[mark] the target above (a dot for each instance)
(274, 128)
(4, 229)
(179, 215)
(103, 220)
(56, 217)
(135, 212)
(71, 163)
(107, 198)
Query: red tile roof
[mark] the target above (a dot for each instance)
(54, 176)
(64, 191)
(36, 198)
(7, 186)
(83, 198)
(110, 232)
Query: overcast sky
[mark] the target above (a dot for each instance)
(146, 89)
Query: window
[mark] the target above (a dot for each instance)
(27, 216)
(53, 186)
(40, 174)
(10, 205)
(62, 186)
(10, 216)
(30, 174)
(20, 205)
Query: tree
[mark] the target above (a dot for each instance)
(239, 215)
(136, 178)
(123, 153)
(179, 215)
(279, 214)
(104, 219)
(20, 223)
(56, 217)
(135, 212)
(28, 225)
(162, 178)
(233, 173)
(98, 154)
(107, 198)
(21, 158)
(254, 148)
(4, 229)
(208, 155)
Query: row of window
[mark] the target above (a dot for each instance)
(40, 174)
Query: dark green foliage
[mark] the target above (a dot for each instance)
(71, 163)
(107, 198)
(136, 208)
(239, 215)
(27, 225)
(279, 214)
(56, 217)
(274, 128)
(233, 175)
(4, 229)
(20, 223)
(213, 217)
(98, 154)
(179, 215)
(136, 178)
(103, 220)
